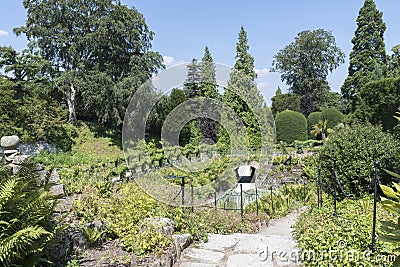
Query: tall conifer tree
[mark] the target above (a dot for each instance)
(368, 57)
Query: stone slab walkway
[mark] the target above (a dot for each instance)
(273, 246)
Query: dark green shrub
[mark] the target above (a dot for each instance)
(313, 119)
(290, 126)
(333, 116)
(355, 149)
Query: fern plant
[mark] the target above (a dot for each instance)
(25, 210)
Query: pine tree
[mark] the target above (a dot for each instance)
(242, 94)
(208, 89)
(208, 82)
(193, 79)
(368, 56)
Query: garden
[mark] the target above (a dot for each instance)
(133, 175)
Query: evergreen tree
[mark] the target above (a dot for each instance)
(282, 102)
(242, 94)
(368, 56)
(208, 89)
(191, 85)
(394, 64)
(208, 82)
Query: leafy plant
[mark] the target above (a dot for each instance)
(355, 149)
(25, 214)
(92, 234)
(348, 237)
(391, 229)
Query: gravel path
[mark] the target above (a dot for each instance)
(273, 246)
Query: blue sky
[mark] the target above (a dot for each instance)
(183, 28)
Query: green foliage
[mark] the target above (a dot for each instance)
(290, 126)
(313, 119)
(394, 64)
(242, 95)
(92, 234)
(332, 116)
(355, 149)
(36, 118)
(92, 162)
(379, 101)
(284, 200)
(349, 237)
(305, 63)
(107, 59)
(25, 218)
(73, 263)
(282, 102)
(391, 229)
(368, 55)
(193, 79)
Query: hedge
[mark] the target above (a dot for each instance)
(291, 125)
(333, 117)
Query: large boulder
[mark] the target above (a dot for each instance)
(9, 142)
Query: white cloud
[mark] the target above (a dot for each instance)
(171, 61)
(262, 72)
(3, 33)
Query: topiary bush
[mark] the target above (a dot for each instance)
(290, 126)
(313, 119)
(333, 116)
(355, 149)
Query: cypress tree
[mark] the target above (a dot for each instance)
(368, 57)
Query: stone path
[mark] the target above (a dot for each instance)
(273, 246)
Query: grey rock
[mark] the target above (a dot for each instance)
(64, 205)
(9, 142)
(239, 260)
(203, 255)
(42, 176)
(9, 154)
(14, 168)
(165, 226)
(182, 241)
(78, 241)
(39, 167)
(116, 179)
(54, 177)
(18, 159)
(57, 190)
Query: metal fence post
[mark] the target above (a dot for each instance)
(373, 248)
(272, 202)
(215, 199)
(183, 191)
(241, 201)
(192, 193)
(319, 189)
(256, 201)
(334, 188)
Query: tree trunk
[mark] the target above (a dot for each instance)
(71, 104)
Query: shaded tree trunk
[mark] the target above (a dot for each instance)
(71, 104)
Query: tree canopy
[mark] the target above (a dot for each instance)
(305, 63)
(103, 42)
(368, 58)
